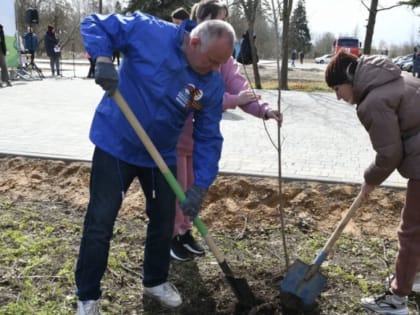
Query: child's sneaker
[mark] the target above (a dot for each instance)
(189, 242)
(386, 304)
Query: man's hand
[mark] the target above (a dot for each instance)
(192, 204)
(106, 76)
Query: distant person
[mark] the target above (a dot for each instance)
(91, 72)
(3, 64)
(294, 57)
(116, 56)
(387, 105)
(416, 63)
(179, 15)
(30, 41)
(301, 56)
(53, 49)
(245, 54)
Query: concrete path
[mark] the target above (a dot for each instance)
(321, 138)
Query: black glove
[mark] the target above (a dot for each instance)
(192, 204)
(106, 76)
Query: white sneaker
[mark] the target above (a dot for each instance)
(386, 304)
(416, 284)
(89, 307)
(166, 293)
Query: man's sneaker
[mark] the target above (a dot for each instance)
(178, 251)
(166, 293)
(416, 284)
(191, 244)
(90, 307)
(386, 304)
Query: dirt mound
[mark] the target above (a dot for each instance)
(233, 202)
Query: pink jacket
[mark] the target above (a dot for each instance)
(234, 83)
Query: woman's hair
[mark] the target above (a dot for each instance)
(341, 69)
(180, 14)
(207, 9)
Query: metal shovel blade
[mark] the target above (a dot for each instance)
(240, 286)
(297, 283)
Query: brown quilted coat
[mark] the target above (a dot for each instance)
(389, 109)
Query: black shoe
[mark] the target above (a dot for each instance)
(191, 244)
(8, 83)
(178, 251)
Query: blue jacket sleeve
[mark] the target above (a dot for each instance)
(208, 140)
(104, 33)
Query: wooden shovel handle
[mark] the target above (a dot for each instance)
(339, 229)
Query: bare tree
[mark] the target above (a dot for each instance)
(285, 14)
(373, 10)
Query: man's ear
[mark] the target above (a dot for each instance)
(195, 42)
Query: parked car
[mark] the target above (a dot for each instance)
(324, 59)
(396, 59)
(407, 66)
(404, 59)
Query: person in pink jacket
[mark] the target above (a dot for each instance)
(237, 93)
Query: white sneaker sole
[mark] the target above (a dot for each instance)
(192, 250)
(391, 312)
(174, 256)
(162, 302)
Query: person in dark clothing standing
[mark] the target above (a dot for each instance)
(245, 54)
(3, 65)
(53, 49)
(116, 56)
(31, 43)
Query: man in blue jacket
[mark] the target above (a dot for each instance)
(166, 74)
(31, 43)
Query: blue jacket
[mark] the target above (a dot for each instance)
(158, 84)
(30, 41)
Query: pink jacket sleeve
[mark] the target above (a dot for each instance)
(234, 83)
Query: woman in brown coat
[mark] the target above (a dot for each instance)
(388, 106)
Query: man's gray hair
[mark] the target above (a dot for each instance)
(210, 30)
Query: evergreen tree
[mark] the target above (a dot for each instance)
(160, 8)
(299, 35)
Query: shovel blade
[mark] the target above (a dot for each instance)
(241, 290)
(295, 283)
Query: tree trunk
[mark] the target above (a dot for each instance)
(370, 27)
(287, 8)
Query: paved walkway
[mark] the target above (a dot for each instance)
(321, 138)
